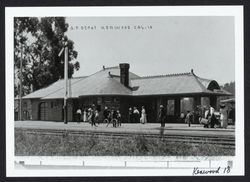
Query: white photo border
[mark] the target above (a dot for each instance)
(135, 11)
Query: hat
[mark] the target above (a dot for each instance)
(161, 106)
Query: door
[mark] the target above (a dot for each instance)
(43, 111)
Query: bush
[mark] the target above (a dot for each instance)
(32, 144)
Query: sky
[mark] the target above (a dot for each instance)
(166, 45)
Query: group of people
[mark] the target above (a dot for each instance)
(112, 117)
(211, 118)
(136, 117)
(90, 115)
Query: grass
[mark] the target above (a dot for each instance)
(68, 145)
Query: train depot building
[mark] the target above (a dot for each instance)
(118, 88)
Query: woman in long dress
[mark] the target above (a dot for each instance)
(89, 115)
(143, 116)
(84, 115)
(223, 116)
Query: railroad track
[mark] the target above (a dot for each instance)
(220, 141)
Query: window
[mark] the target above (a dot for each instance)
(187, 104)
(170, 107)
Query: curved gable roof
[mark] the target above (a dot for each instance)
(168, 84)
(183, 83)
(209, 84)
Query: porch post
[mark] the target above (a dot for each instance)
(177, 106)
(197, 101)
(213, 101)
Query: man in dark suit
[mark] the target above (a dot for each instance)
(106, 115)
(130, 115)
(114, 116)
(162, 116)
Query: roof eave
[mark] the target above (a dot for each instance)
(186, 94)
(93, 95)
(50, 98)
(31, 98)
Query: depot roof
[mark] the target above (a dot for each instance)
(107, 82)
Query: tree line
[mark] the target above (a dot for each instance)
(230, 87)
(37, 41)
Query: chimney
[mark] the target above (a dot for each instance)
(124, 74)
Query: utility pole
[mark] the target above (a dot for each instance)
(21, 85)
(65, 49)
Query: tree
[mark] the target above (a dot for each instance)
(40, 40)
(230, 87)
(23, 27)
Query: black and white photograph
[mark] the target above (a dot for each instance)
(142, 91)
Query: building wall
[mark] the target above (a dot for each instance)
(70, 109)
(54, 110)
(35, 110)
(26, 109)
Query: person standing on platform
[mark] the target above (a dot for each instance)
(213, 118)
(110, 119)
(114, 118)
(136, 115)
(97, 117)
(207, 117)
(92, 117)
(119, 118)
(85, 115)
(207, 112)
(162, 116)
(233, 114)
(106, 114)
(79, 114)
(143, 118)
(188, 118)
(223, 116)
(130, 115)
(89, 114)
